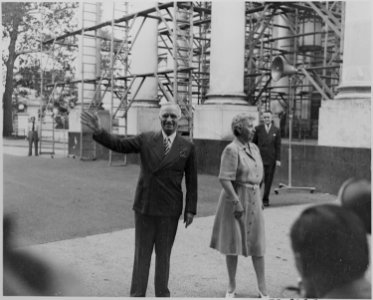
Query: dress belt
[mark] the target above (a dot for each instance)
(249, 185)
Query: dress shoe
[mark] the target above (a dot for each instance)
(230, 294)
(262, 295)
(266, 204)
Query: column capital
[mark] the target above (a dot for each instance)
(227, 70)
(231, 98)
(145, 103)
(355, 91)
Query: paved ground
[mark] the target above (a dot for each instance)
(78, 216)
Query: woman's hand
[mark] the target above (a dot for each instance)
(238, 210)
(229, 189)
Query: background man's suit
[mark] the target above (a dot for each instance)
(33, 136)
(269, 144)
(158, 201)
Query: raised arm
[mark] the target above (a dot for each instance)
(90, 120)
(111, 141)
(227, 175)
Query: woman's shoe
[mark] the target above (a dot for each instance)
(230, 294)
(262, 295)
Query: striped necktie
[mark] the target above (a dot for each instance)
(166, 145)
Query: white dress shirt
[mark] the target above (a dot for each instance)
(268, 127)
(170, 138)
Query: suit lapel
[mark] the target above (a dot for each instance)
(173, 154)
(157, 147)
(270, 131)
(262, 130)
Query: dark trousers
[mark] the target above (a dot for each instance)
(33, 139)
(269, 171)
(158, 232)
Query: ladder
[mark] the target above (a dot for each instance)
(46, 120)
(176, 38)
(119, 90)
(89, 64)
(47, 128)
(47, 134)
(183, 57)
(257, 55)
(202, 53)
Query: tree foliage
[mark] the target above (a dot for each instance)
(25, 26)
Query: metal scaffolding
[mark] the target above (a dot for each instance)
(52, 134)
(307, 34)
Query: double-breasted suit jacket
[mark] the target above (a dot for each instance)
(269, 143)
(159, 191)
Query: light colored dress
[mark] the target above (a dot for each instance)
(242, 164)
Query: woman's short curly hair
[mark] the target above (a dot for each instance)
(238, 120)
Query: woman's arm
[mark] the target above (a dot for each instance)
(228, 188)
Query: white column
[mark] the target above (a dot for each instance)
(227, 53)
(87, 62)
(143, 114)
(356, 71)
(144, 58)
(226, 98)
(346, 120)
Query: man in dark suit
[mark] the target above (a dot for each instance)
(33, 137)
(165, 158)
(268, 138)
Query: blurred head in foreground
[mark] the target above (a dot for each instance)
(331, 252)
(26, 274)
(355, 194)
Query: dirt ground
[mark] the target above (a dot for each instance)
(79, 215)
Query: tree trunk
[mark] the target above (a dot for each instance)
(8, 92)
(7, 98)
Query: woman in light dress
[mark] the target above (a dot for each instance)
(239, 225)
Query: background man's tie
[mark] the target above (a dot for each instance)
(166, 144)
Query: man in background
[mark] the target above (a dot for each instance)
(33, 137)
(268, 138)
